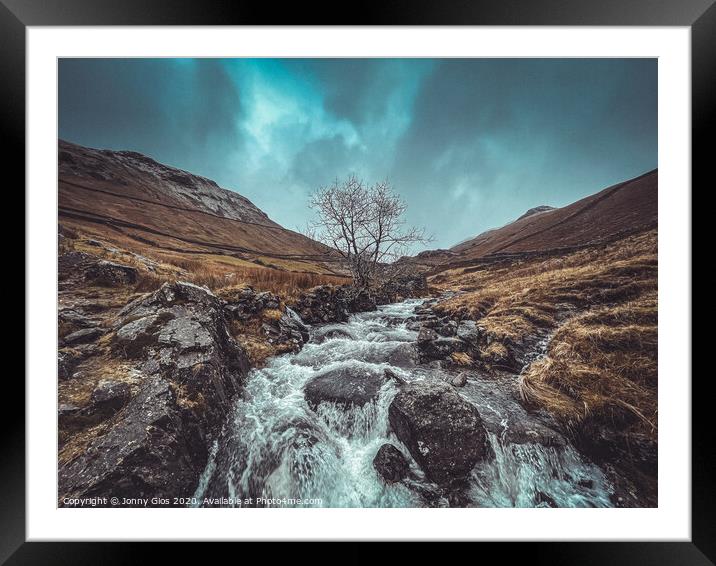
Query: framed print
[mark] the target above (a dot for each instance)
(424, 276)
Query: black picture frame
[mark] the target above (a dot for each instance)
(699, 15)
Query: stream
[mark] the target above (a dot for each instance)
(279, 452)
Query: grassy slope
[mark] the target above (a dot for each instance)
(599, 374)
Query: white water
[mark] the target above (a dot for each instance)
(275, 446)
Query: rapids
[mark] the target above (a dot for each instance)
(277, 451)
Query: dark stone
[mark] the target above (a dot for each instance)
(390, 464)
(180, 332)
(459, 380)
(448, 328)
(69, 358)
(440, 348)
(427, 335)
(541, 499)
(108, 398)
(82, 336)
(390, 374)
(153, 449)
(331, 333)
(110, 274)
(403, 356)
(347, 386)
(444, 432)
(468, 331)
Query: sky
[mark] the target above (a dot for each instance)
(469, 144)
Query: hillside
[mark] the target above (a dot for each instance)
(131, 200)
(616, 211)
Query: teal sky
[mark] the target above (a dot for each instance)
(470, 144)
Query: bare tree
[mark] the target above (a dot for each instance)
(364, 224)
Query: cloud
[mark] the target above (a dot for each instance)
(469, 143)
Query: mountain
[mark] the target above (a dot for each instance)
(124, 196)
(535, 210)
(618, 210)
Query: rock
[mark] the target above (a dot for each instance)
(360, 300)
(180, 332)
(390, 374)
(390, 464)
(82, 336)
(542, 500)
(72, 318)
(328, 303)
(448, 328)
(459, 380)
(67, 410)
(111, 274)
(108, 398)
(403, 356)
(440, 348)
(69, 358)
(153, 449)
(346, 386)
(427, 335)
(443, 431)
(468, 331)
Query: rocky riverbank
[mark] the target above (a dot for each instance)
(146, 380)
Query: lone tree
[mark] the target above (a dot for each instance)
(364, 224)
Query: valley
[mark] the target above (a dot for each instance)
(206, 351)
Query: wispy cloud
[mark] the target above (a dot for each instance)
(471, 144)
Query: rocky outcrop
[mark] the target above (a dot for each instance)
(288, 329)
(187, 370)
(401, 287)
(434, 346)
(153, 448)
(328, 303)
(180, 332)
(390, 464)
(347, 386)
(83, 336)
(244, 304)
(444, 432)
(440, 338)
(111, 274)
(70, 357)
(87, 268)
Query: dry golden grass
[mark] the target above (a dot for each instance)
(600, 368)
(514, 301)
(461, 358)
(601, 365)
(286, 278)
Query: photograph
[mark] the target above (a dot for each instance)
(357, 282)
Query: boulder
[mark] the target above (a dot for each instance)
(444, 432)
(440, 348)
(459, 380)
(180, 332)
(288, 329)
(469, 332)
(152, 449)
(447, 328)
(347, 386)
(111, 274)
(390, 464)
(328, 303)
